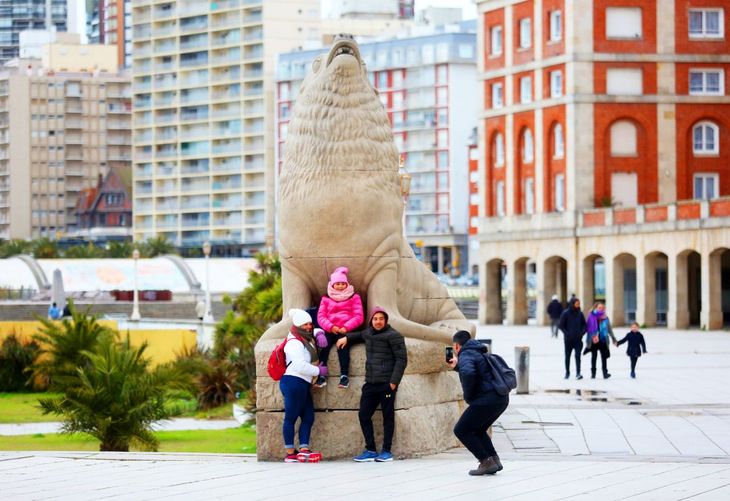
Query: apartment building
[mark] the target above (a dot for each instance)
(110, 23)
(427, 85)
(604, 147)
(203, 117)
(20, 15)
(64, 120)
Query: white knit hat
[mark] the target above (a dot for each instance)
(299, 317)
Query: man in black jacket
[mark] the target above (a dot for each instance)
(573, 325)
(385, 362)
(554, 310)
(485, 404)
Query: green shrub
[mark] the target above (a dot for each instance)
(16, 358)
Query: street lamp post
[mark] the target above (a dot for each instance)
(135, 308)
(208, 317)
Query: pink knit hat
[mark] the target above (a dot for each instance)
(339, 275)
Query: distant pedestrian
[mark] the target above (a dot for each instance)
(54, 312)
(554, 310)
(66, 311)
(636, 346)
(485, 404)
(573, 325)
(598, 330)
(200, 310)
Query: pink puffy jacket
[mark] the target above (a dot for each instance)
(347, 313)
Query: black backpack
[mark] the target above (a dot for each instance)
(504, 378)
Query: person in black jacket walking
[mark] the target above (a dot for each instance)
(636, 346)
(485, 404)
(573, 325)
(554, 310)
(385, 363)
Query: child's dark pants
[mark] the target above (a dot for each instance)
(633, 364)
(372, 395)
(343, 354)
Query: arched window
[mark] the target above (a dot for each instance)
(623, 139)
(705, 138)
(498, 150)
(558, 142)
(528, 147)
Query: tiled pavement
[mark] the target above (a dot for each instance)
(663, 436)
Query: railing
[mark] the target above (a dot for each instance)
(682, 210)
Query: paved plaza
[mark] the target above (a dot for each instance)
(663, 436)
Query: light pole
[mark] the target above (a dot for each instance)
(208, 317)
(135, 308)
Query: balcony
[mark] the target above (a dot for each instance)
(195, 186)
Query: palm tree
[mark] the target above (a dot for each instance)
(116, 398)
(65, 345)
(14, 247)
(45, 248)
(157, 246)
(122, 249)
(88, 251)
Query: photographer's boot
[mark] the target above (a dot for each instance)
(486, 467)
(499, 463)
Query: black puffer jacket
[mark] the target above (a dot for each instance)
(385, 351)
(474, 372)
(572, 323)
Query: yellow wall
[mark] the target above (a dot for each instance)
(162, 344)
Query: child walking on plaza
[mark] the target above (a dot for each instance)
(636, 346)
(340, 311)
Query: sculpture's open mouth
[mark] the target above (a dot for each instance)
(343, 47)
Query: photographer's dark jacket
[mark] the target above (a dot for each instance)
(474, 373)
(385, 351)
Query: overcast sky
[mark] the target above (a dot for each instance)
(469, 9)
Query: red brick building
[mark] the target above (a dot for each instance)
(106, 209)
(604, 166)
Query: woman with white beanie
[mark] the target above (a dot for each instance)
(296, 384)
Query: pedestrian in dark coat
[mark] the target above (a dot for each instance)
(385, 362)
(636, 346)
(573, 325)
(554, 310)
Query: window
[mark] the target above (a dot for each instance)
(558, 142)
(499, 194)
(497, 96)
(705, 138)
(556, 25)
(525, 90)
(706, 23)
(525, 33)
(623, 22)
(706, 82)
(499, 150)
(556, 83)
(529, 195)
(466, 51)
(623, 139)
(528, 148)
(624, 81)
(496, 38)
(559, 192)
(705, 186)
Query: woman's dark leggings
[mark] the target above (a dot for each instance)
(298, 404)
(471, 428)
(343, 354)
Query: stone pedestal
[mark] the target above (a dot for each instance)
(428, 403)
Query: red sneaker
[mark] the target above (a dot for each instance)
(309, 457)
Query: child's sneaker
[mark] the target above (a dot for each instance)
(344, 382)
(384, 457)
(366, 456)
(321, 382)
(307, 456)
(291, 458)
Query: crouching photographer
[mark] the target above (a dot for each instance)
(485, 403)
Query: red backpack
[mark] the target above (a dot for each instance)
(277, 360)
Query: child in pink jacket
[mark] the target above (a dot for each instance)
(339, 313)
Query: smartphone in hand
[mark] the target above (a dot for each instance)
(449, 353)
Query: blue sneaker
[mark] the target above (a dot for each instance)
(366, 456)
(384, 457)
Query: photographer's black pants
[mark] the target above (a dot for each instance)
(471, 428)
(372, 396)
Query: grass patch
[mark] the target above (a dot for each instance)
(231, 441)
(23, 408)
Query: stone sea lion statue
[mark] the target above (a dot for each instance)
(340, 204)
